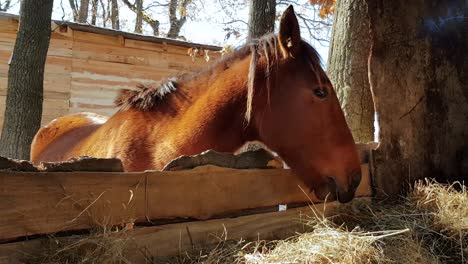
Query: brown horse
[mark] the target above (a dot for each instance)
(272, 90)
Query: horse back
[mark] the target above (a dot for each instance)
(55, 141)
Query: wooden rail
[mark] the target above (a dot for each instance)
(148, 244)
(44, 203)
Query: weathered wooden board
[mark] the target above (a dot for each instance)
(173, 239)
(146, 244)
(42, 203)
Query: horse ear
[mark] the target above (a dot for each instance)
(289, 33)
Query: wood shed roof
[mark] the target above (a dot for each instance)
(127, 35)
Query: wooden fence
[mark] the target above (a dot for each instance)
(51, 202)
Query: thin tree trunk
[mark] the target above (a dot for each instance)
(94, 8)
(83, 14)
(347, 66)
(176, 24)
(74, 10)
(115, 15)
(152, 22)
(139, 16)
(104, 13)
(25, 79)
(5, 6)
(261, 18)
(154, 25)
(418, 72)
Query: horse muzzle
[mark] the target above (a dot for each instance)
(343, 194)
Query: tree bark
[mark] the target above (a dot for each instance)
(115, 15)
(25, 79)
(74, 10)
(261, 18)
(139, 16)
(418, 74)
(94, 8)
(104, 15)
(83, 13)
(152, 22)
(347, 66)
(177, 23)
(5, 6)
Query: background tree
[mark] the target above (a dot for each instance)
(83, 11)
(418, 74)
(139, 16)
(115, 15)
(144, 15)
(94, 11)
(262, 16)
(5, 5)
(25, 79)
(347, 66)
(80, 12)
(180, 7)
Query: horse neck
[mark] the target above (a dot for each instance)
(214, 117)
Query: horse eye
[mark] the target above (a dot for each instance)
(320, 92)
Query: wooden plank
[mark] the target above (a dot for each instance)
(81, 36)
(120, 72)
(146, 244)
(91, 51)
(41, 203)
(7, 40)
(143, 45)
(51, 202)
(59, 46)
(174, 239)
(8, 24)
(214, 191)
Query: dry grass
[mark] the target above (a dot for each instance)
(430, 225)
(101, 246)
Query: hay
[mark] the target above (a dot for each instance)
(427, 226)
(101, 246)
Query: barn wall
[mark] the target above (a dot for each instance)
(85, 70)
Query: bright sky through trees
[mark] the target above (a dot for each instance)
(211, 21)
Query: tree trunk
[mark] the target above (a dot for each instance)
(153, 23)
(347, 66)
(115, 15)
(418, 74)
(94, 8)
(74, 10)
(5, 6)
(104, 13)
(261, 18)
(83, 14)
(139, 16)
(25, 79)
(177, 24)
